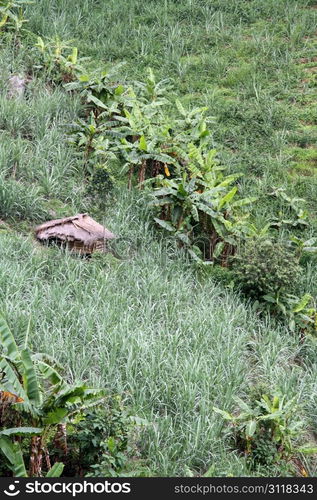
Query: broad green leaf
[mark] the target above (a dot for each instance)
(181, 108)
(3, 20)
(56, 470)
(183, 238)
(55, 416)
(219, 228)
(243, 405)
(205, 208)
(269, 298)
(224, 414)
(18, 468)
(48, 360)
(250, 428)
(30, 381)
(228, 197)
(21, 431)
(228, 180)
(7, 340)
(166, 225)
(271, 416)
(40, 44)
(13, 453)
(6, 446)
(244, 201)
(195, 253)
(119, 90)
(302, 303)
(218, 249)
(142, 143)
(96, 101)
(74, 56)
(50, 373)
(84, 393)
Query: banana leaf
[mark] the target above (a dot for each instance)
(13, 453)
(21, 431)
(7, 340)
(56, 470)
(30, 380)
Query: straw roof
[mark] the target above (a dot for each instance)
(80, 228)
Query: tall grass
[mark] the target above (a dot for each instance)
(175, 345)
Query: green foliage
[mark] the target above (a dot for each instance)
(11, 15)
(267, 429)
(99, 88)
(299, 313)
(101, 442)
(199, 207)
(45, 400)
(101, 183)
(133, 125)
(58, 58)
(265, 266)
(219, 274)
(292, 208)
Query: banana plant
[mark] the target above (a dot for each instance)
(304, 247)
(59, 58)
(273, 418)
(300, 312)
(150, 90)
(201, 201)
(296, 214)
(33, 385)
(100, 89)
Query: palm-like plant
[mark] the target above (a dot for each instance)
(44, 401)
(201, 201)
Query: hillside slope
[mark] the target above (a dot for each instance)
(155, 327)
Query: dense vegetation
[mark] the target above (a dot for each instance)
(198, 152)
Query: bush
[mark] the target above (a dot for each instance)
(267, 430)
(219, 274)
(264, 267)
(100, 441)
(100, 183)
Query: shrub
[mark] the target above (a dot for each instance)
(100, 183)
(264, 267)
(267, 429)
(100, 440)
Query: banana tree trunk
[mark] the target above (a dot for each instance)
(60, 438)
(142, 173)
(131, 171)
(36, 456)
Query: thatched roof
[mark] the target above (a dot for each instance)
(80, 228)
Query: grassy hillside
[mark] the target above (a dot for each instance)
(170, 336)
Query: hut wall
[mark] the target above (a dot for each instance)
(80, 247)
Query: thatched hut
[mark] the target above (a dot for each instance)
(79, 233)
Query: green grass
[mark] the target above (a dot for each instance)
(174, 342)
